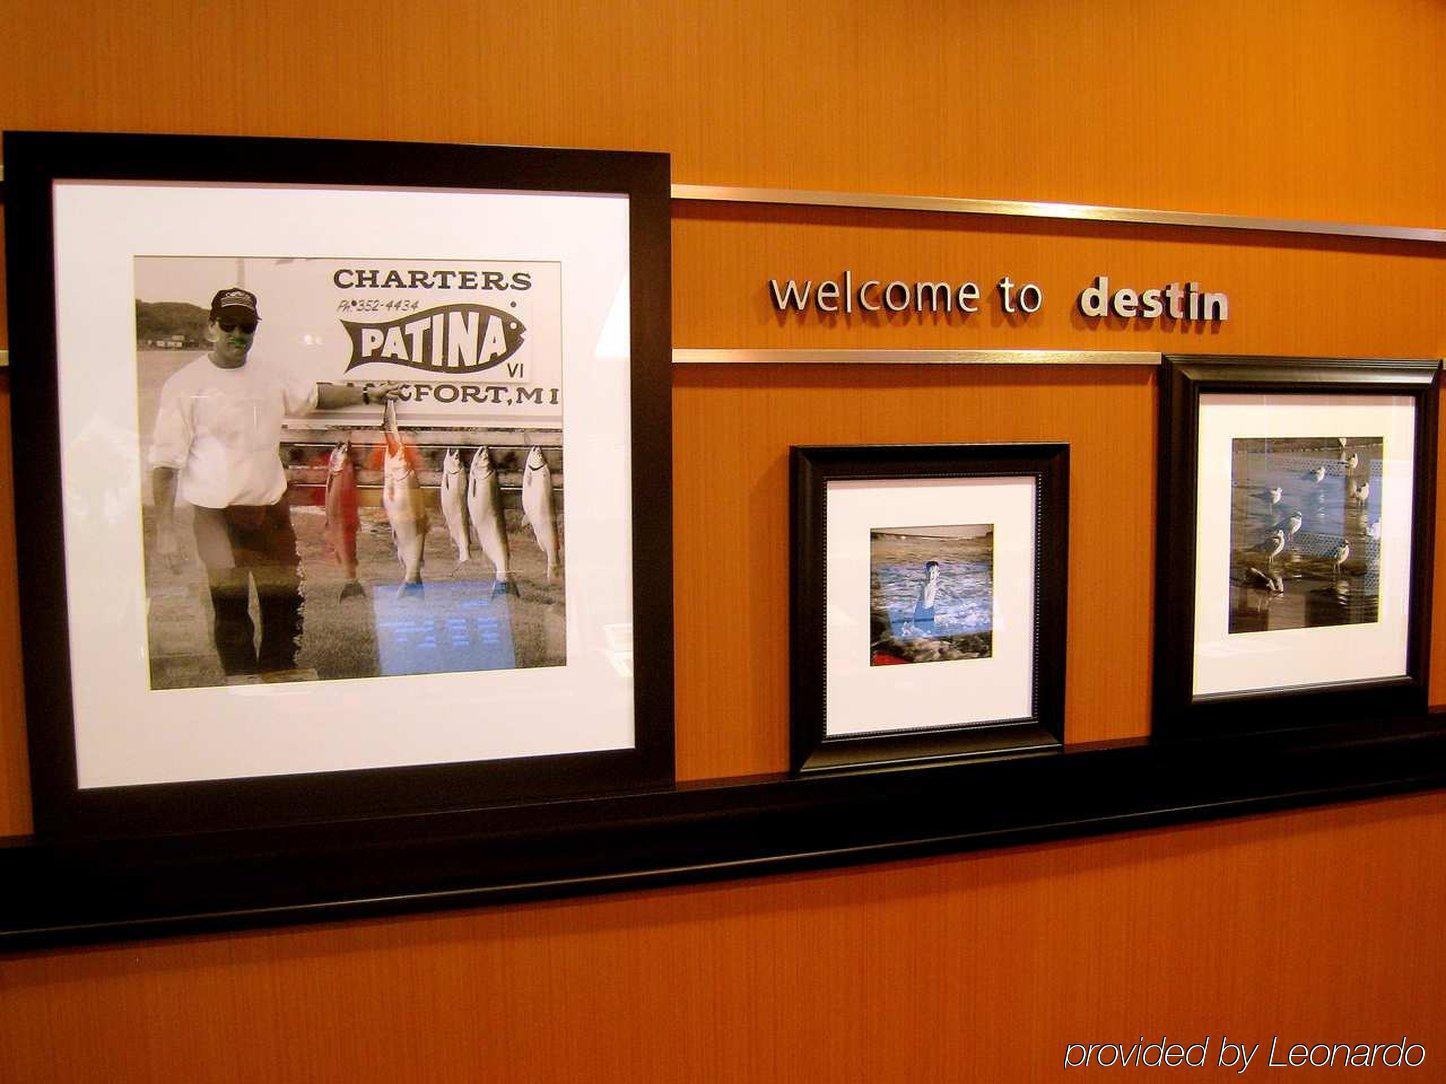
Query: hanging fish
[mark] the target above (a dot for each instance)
(484, 506)
(342, 520)
(454, 502)
(537, 505)
(402, 499)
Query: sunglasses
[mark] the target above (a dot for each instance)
(248, 326)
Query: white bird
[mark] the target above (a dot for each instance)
(1374, 530)
(1352, 462)
(1290, 524)
(1275, 493)
(1361, 492)
(1342, 585)
(1319, 475)
(1262, 563)
(1324, 565)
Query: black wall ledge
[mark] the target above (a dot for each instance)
(78, 892)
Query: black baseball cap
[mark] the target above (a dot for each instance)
(235, 302)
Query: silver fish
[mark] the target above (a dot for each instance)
(484, 506)
(537, 505)
(402, 499)
(454, 502)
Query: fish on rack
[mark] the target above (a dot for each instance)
(342, 519)
(484, 507)
(402, 500)
(453, 495)
(538, 507)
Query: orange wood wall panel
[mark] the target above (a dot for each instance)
(1312, 925)
(975, 969)
(1288, 295)
(734, 424)
(733, 427)
(1307, 111)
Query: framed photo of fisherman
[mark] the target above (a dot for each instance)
(1295, 542)
(928, 601)
(357, 476)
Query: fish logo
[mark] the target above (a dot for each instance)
(453, 339)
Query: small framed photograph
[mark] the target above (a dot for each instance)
(928, 601)
(1295, 547)
(349, 476)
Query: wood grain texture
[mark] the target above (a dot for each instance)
(1315, 925)
(734, 423)
(1288, 295)
(733, 427)
(1313, 112)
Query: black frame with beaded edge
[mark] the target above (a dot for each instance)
(812, 469)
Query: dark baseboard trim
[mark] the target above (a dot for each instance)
(102, 890)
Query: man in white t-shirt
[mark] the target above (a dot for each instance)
(216, 445)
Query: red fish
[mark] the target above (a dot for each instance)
(341, 514)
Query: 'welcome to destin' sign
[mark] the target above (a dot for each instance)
(1174, 301)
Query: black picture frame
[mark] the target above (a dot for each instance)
(35, 162)
(813, 469)
(1177, 711)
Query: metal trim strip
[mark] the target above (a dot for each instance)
(916, 357)
(1079, 212)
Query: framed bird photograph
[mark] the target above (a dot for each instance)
(928, 601)
(358, 494)
(1295, 540)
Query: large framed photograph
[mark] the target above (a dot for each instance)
(1295, 547)
(928, 601)
(346, 476)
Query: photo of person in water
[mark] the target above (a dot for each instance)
(1305, 529)
(931, 594)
